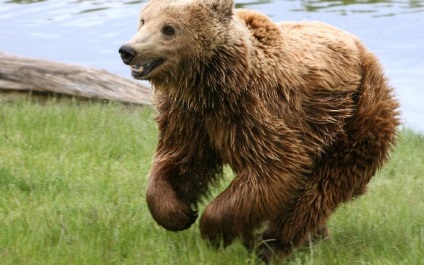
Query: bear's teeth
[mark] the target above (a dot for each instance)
(137, 67)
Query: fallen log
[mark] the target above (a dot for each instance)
(26, 74)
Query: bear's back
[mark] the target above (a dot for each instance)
(320, 56)
(317, 32)
(327, 57)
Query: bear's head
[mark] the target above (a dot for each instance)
(174, 35)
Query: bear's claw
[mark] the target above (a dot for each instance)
(191, 218)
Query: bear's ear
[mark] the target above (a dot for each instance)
(224, 8)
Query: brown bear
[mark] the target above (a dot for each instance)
(301, 112)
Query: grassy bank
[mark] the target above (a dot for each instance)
(72, 182)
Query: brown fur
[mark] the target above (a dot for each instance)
(301, 112)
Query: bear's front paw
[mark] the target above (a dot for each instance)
(168, 211)
(218, 227)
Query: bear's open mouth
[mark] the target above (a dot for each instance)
(139, 71)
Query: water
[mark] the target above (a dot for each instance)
(89, 32)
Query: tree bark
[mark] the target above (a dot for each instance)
(26, 74)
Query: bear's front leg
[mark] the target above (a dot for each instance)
(220, 224)
(178, 179)
(244, 206)
(184, 167)
(166, 207)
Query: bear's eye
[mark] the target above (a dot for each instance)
(141, 22)
(168, 30)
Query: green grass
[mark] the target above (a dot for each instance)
(72, 183)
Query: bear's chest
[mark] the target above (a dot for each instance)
(231, 139)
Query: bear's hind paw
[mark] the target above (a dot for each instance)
(270, 250)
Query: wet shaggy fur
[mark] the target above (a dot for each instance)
(301, 112)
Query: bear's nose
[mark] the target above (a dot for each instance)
(127, 53)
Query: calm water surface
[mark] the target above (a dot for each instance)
(89, 32)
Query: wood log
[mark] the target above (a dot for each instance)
(26, 74)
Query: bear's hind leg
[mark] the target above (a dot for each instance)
(306, 217)
(343, 171)
(338, 176)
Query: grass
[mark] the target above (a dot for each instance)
(72, 183)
